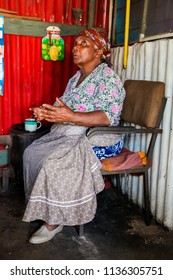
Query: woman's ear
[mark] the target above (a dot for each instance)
(99, 53)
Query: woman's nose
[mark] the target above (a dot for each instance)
(76, 47)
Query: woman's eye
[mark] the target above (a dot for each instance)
(83, 43)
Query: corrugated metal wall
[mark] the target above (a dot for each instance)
(152, 61)
(29, 80)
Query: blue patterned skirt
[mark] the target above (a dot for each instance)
(109, 151)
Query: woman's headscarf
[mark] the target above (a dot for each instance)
(99, 38)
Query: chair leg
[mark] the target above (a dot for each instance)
(81, 230)
(146, 199)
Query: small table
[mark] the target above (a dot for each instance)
(21, 139)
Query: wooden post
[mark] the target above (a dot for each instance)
(91, 13)
(144, 20)
(114, 18)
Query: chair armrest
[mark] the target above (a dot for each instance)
(119, 130)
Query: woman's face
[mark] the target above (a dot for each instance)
(84, 51)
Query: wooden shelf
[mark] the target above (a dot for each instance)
(37, 28)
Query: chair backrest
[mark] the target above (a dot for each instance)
(143, 102)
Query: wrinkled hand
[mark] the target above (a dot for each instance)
(61, 113)
(36, 112)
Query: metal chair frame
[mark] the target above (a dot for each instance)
(124, 128)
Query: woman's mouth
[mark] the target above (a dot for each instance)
(75, 56)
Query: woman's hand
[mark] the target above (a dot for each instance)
(36, 112)
(61, 113)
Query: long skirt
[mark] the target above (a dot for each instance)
(62, 177)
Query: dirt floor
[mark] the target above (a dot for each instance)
(118, 232)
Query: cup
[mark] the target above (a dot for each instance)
(32, 125)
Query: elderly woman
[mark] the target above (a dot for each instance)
(62, 169)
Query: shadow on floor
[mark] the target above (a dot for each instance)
(117, 232)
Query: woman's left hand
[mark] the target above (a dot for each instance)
(61, 113)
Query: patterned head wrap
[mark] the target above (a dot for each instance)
(99, 38)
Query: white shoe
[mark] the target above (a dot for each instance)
(43, 234)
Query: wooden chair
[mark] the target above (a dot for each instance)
(143, 109)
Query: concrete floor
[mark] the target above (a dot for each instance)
(117, 232)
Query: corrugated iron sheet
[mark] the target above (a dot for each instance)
(152, 61)
(29, 80)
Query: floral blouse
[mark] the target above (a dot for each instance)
(101, 90)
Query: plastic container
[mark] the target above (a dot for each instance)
(53, 45)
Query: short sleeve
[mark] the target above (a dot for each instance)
(110, 98)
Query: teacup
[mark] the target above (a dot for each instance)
(32, 125)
